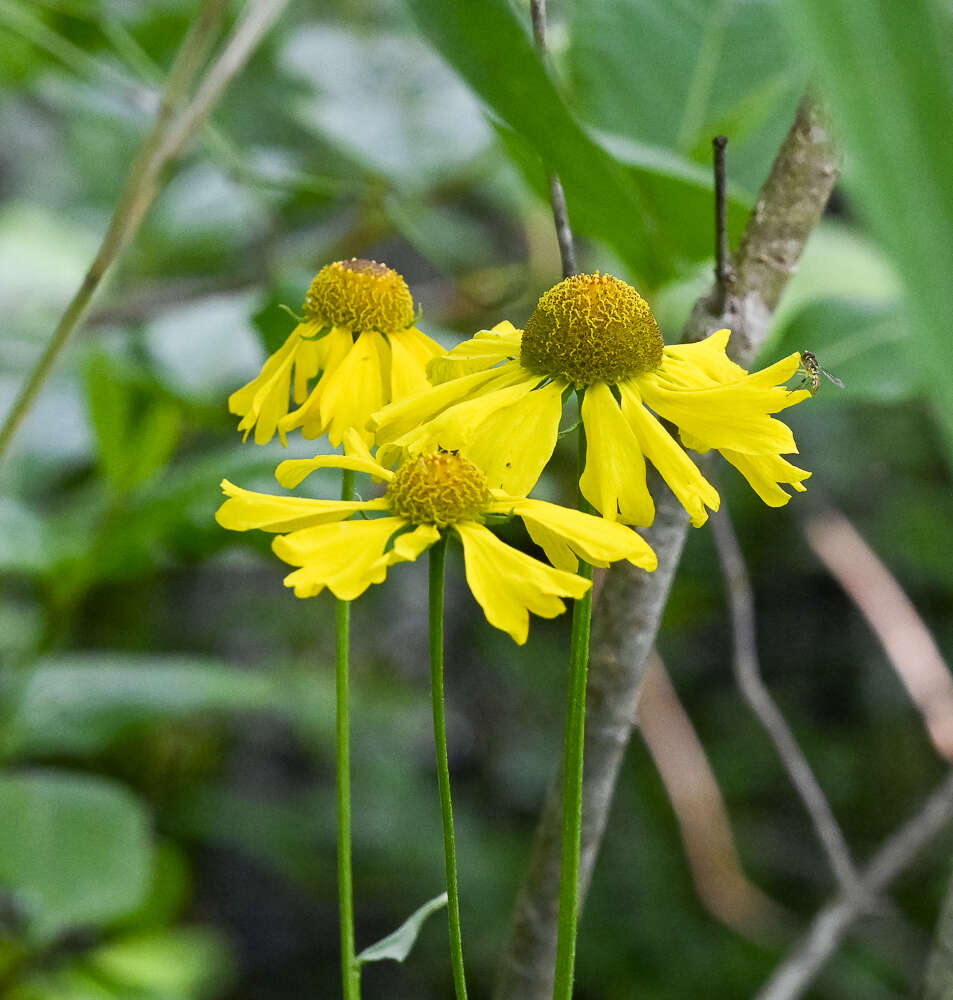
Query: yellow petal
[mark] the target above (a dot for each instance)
(265, 399)
(730, 416)
(406, 415)
(614, 478)
(485, 350)
(307, 365)
(512, 445)
(764, 474)
(461, 427)
(508, 584)
(564, 534)
(407, 375)
(295, 470)
(701, 364)
(332, 349)
(349, 556)
(692, 489)
(355, 389)
(420, 346)
(245, 510)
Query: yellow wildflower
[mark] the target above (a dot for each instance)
(427, 497)
(499, 398)
(358, 338)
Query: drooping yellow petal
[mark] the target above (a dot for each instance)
(614, 478)
(307, 365)
(692, 489)
(355, 389)
(245, 510)
(460, 427)
(293, 471)
(265, 399)
(732, 416)
(406, 375)
(406, 415)
(332, 349)
(765, 473)
(485, 350)
(514, 443)
(703, 363)
(565, 534)
(349, 556)
(508, 584)
(421, 347)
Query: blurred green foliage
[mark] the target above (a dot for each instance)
(166, 809)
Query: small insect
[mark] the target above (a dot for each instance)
(812, 373)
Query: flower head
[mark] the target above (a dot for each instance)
(427, 497)
(499, 397)
(358, 338)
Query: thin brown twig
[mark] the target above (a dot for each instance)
(908, 643)
(747, 671)
(557, 197)
(626, 617)
(793, 977)
(699, 807)
(723, 273)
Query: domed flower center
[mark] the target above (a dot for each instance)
(591, 328)
(441, 489)
(360, 295)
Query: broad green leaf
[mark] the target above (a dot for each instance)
(155, 436)
(77, 704)
(673, 75)
(109, 399)
(652, 210)
(182, 962)
(75, 851)
(397, 946)
(885, 70)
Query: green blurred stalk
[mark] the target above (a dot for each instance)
(573, 768)
(438, 558)
(350, 969)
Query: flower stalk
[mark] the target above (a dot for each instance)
(438, 557)
(350, 969)
(573, 768)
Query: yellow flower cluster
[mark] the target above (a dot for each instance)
(470, 433)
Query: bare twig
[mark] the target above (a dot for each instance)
(564, 237)
(906, 640)
(723, 273)
(748, 676)
(939, 970)
(626, 617)
(700, 810)
(171, 130)
(797, 972)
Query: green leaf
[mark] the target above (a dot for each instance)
(75, 850)
(155, 436)
(109, 399)
(397, 945)
(654, 209)
(900, 162)
(77, 704)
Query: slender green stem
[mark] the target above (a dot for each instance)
(350, 970)
(438, 557)
(572, 773)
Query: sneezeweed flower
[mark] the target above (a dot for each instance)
(358, 338)
(499, 398)
(427, 497)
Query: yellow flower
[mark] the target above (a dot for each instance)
(427, 497)
(359, 338)
(499, 397)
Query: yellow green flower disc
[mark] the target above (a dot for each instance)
(441, 488)
(591, 328)
(360, 295)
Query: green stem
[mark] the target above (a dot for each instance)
(350, 970)
(438, 557)
(572, 772)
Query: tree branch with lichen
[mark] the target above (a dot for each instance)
(629, 607)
